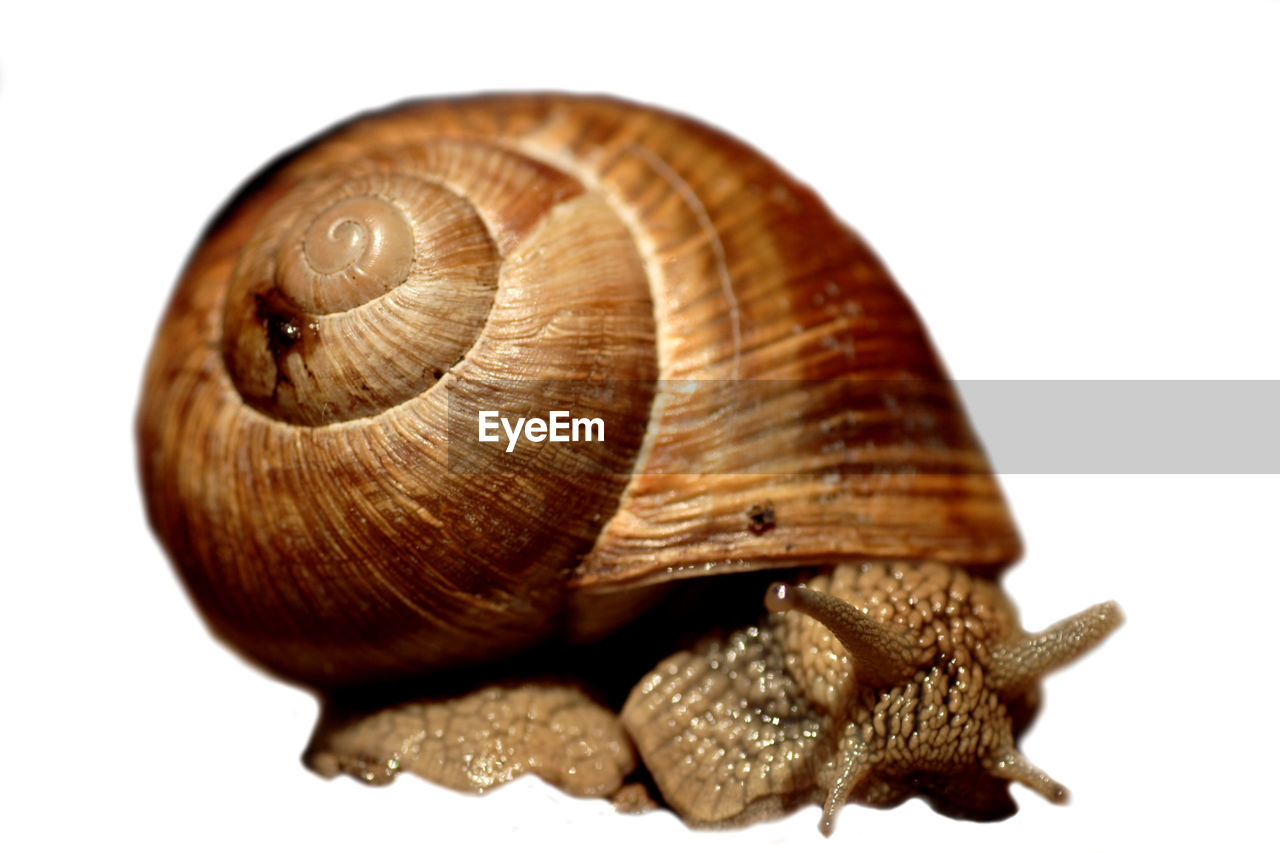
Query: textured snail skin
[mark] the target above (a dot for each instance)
(927, 699)
(773, 400)
(873, 682)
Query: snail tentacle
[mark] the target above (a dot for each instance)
(883, 654)
(1015, 767)
(853, 767)
(1017, 665)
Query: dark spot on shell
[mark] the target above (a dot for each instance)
(761, 518)
(286, 327)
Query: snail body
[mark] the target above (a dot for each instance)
(768, 400)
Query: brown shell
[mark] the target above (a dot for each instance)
(770, 397)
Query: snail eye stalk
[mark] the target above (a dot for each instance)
(882, 654)
(1017, 665)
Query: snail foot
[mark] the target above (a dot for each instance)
(480, 740)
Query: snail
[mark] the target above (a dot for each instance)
(766, 571)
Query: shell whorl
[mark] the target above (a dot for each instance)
(353, 251)
(359, 291)
(367, 306)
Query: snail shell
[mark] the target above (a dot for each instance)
(771, 399)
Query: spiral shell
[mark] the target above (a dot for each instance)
(771, 398)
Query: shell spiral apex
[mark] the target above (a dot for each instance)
(380, 282)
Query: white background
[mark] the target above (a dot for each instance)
(1083, 190)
